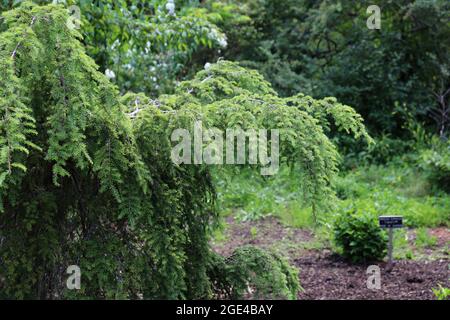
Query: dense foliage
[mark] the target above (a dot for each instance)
(436, 163)
(320, 48)
(324, 48)
(86, 176)
(87, 116)
(142, 45)
(255, 273)
(359, 236)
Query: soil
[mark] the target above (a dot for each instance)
(268, 231)
(325, 275)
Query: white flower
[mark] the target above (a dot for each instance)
(110, 74)
(170, 6)
(207, 66)
(212, 34)
(223, 42)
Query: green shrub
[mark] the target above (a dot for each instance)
(251, 272)
(386, 149)
(436, 163)
(359, 236)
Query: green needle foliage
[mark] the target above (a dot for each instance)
(254, 273)
(86, 176)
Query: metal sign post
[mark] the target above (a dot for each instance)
(390, 222)
(390, 245)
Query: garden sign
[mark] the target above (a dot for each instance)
(390, 222)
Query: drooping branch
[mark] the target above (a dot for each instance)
(13, 55)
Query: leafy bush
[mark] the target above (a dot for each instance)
(251, 272)
(386, 149)
(436, 163)
(359, 236)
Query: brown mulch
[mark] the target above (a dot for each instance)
(325, 275)
(442, 234)
(268, 231)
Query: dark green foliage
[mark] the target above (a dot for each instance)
(436, 163)
(324, 48)
(254, 273)
(83, 185)
(359, 236)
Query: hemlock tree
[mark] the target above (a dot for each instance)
(86, 176)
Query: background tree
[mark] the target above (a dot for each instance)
(324, 48)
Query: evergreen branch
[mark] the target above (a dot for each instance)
(13, 55)
(7, 113)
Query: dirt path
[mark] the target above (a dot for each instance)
(325, 275)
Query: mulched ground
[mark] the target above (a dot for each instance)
(325, 275)
(268, 232)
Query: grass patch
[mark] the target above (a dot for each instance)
(394, 191)
(294, 215)
(424, 239)
(382, 190)
(402, 249)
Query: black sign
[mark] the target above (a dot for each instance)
(391, 221)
